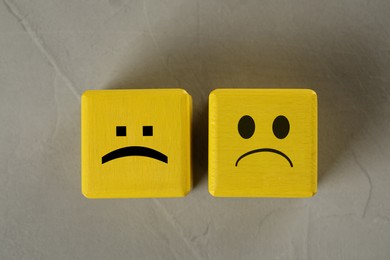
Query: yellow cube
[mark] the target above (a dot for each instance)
(263, 143)
(136, 143)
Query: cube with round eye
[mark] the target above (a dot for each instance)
(263, 143)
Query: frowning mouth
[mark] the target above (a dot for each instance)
(270, 150)
(135, 151)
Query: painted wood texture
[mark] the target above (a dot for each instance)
(263, 143)
(136, 143)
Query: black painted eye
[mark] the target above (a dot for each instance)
(281, 127)
(121, 131)
(246, 126)
(147, 130)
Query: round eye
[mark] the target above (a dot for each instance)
(246, 127)
(281, 127)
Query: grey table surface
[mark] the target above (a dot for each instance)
(51, 51)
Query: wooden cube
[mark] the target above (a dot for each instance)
(136, 143)
(263, 143)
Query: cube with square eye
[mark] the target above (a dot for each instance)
(263, 143)
(136, 143)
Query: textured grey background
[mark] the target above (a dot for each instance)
(51, 51)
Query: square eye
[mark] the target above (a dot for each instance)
(147, 130)
(121, 131)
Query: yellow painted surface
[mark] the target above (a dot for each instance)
(262, 164)
(167, 173)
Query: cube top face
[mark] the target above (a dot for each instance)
(136, 143)
(263, 143)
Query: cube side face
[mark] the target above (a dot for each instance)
(263, 143)
(136, 143)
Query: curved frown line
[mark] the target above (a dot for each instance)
(265, 150)
(135, 151)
